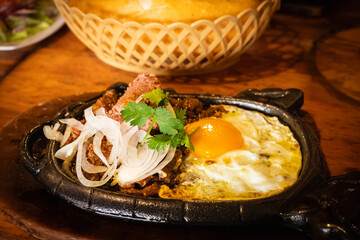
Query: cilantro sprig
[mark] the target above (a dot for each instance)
(171, 128)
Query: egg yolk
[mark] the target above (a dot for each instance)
(214, 137)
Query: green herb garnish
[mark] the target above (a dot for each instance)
(171, 128)
(157, 96)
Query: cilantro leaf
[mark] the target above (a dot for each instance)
(182, 138)
(186, 139)
(176, 140)
(159, 141)
(157, 96)
(137, 113)
(167, 123)
(181, 115)
(171, 128)
(163, 102)
(187, 142)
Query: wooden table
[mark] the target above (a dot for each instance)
(294, 52)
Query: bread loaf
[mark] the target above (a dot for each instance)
(163, 11)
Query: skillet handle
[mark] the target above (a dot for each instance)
(33, 148)
(290, 99)
(330, 211)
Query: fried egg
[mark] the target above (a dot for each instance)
(241, 155)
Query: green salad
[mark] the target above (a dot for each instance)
(21, 19)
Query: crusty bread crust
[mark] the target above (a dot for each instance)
(163, 11)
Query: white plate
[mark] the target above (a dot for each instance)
(59, 22)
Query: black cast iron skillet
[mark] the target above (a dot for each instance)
(324, 208)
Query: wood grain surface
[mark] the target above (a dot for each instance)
(284, 57)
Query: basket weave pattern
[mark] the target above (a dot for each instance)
(175, 49)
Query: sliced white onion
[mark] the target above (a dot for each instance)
(125, 126)
(128, 159)
(109, 127)
(66, 135)
(139, 99)
(70, 123)
(73, 123)
(68, 151)
(132, 159)
(56, 126)
(101, 112)
(52, 133)
(170, 155)
(85, 165)
(83, 180)
(97, 147)
(127, 174)
(137, 138)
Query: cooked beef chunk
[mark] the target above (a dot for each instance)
(75, 133)
(150, 190)
(193, 107)
(213, 111)
(91, 176)
(150, 186)
(106, 147)
(139, 184)
(169, 172)
(142, 84)
(107, 101)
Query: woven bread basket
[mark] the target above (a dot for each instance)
(174, 49)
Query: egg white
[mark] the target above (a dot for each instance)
(268, 163)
